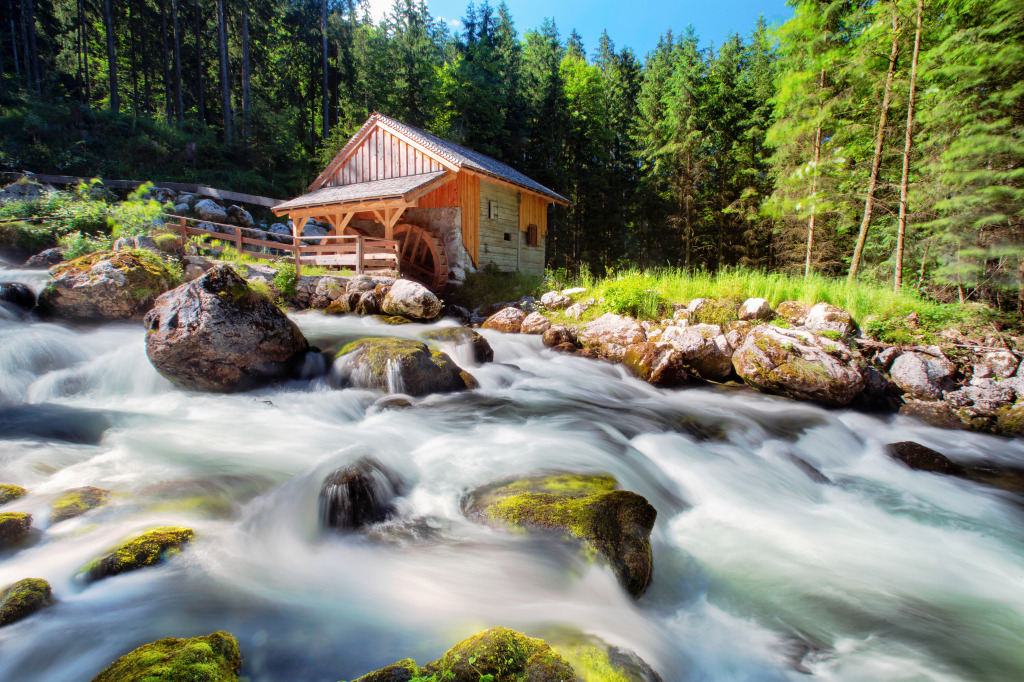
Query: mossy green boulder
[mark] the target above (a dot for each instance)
(22, 599)
(14, 528)
(106, 285)
(76, 502)
(613, 524)
(9, 493)
(398, 365)
(498, 654)
(149, 548)
(213, 658)
(463, 336)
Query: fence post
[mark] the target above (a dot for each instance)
(184, 232)
(359, 255)
(238, 238)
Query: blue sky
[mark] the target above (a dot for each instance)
(636, 24)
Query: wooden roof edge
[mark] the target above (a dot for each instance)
(554, 198)
(340, 204)
(417, 192)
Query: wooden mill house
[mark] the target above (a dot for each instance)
(397, 193)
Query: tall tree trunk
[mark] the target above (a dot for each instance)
(108, 17)
(177, 64)
(225, 84)
(876, 162)
(135, 73)
(14, 40)
(167, 61)
(199, 66)
(26, 57)
(33, 61)
(85, 53)
(323, 45)
(246, 97)
(814, 178)
(907, 143)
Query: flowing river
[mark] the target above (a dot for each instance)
(765, 568)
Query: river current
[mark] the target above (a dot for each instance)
(788, 546)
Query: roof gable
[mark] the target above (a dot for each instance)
(447, 154)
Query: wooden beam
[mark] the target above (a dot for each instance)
(414, 194)
(312, 211)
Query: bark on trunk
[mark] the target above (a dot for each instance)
(199, 66)
(814, 179)
(14, 40)
(30, 19)
(246, 101)
(167, 61)
(907, 144)
(876, 162)
(135, 73)
(108, 16)
(323, 36)
(177, 64)
(225, 85)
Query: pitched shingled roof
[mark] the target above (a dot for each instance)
(453, 153)
(393, 188)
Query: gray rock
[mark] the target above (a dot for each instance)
(885, 358)
(216, 334)
(210, 211)
(182, 209)
(800, 365)
(411, 299)
(755, 309)
(331, 287)
(508, 320)
(280, 232)
(925, 377)
(1000, 364)
(398, 366)
(793, 311)
(825, 317)
(535, 323)
(145, 243)
(46, 259)
(239, 216)
(555, 301)
(703, 348)
(611, 334)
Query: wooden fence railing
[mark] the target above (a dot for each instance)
(362, 254)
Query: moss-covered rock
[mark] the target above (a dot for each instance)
(613, 524)
(22, 599)
(1011, 420)
(76, 502)
(393, 320)
(14, 528)
(213, 658)
(9, 493)
(459, 336)
(106, 285)
(498, 654)
(596, 661)
(149, 548)
(398, 366)
(659, 364)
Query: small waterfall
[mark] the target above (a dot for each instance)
(396, 384)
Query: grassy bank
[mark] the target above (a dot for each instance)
(652, 295)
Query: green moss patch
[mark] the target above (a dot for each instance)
(22, 599)
(14, 528)
(377, 362)
(613, 524)
(9, 493)
(495, 655)
(213, 658)
(76, 502)
(152, 547)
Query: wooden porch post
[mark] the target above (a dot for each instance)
(359, 255)
(297, 225)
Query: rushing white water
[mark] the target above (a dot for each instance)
(762, 571)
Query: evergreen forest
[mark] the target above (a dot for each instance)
(874, 139)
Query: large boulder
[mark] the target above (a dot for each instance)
(76, 502)
(411, 299)
(555, 301)
(497, 655)
(925, 376)
(213, 658)
(535, 323)
(613, 524)
(825, 317)
(481, 350)
(922, 458)
(659, 364)
(9, 493)
(794, 312)
(14, 527)
(239, 216)
(210, 211)
(755, 309)
(1000, 364)
(22, 599)
(508, 320)
(558, 335)
(704, 348)
(46, 259)
(280, 232)
(398, 366)
(217, 334)
(610, 335)
(798, 364)
(358, 495)
(17, 296)
(106, 285)
(146, 549)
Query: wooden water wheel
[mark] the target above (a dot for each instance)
(422, 256)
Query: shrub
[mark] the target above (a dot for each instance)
(76, 244)
(286, 279)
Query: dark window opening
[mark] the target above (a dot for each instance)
(532, 235)
(508, 237)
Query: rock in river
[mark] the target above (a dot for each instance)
(800, 365)
(358, 495)
(76, 502)
(22, 599)
(410, 299)
(464, 336)
(14, 528)
(217, 334)
(9, 493)
(398, 366)
(508, 320)
(925, 376)
(497, 654)
(615, 524)
(106, 285)
(145, 549)
(213, 658)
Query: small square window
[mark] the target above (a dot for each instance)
(508, 236)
